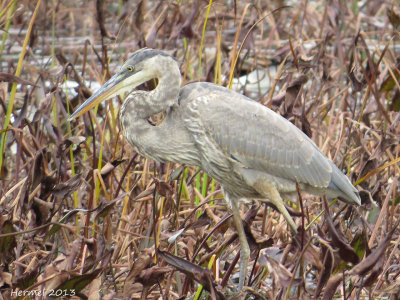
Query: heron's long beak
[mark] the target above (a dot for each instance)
(115, 86)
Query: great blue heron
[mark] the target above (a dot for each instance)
(250, 150)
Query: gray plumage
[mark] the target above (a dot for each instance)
(250, 150)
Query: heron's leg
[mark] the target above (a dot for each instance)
(270, 192)
(244, 245)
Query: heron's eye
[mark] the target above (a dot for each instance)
(130, 68)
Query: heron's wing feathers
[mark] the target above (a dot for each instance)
(254, 136)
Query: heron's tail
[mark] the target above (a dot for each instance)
(340, 183)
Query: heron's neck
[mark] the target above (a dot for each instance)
(164, 96)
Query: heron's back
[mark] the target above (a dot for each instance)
(241, 142)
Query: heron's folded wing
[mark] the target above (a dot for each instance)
(258, 138)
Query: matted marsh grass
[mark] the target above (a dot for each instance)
(80, 212)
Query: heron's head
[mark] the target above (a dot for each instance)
(143, 65)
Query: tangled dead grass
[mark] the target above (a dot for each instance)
(80, 213)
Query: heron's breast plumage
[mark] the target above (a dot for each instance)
(167, 142)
